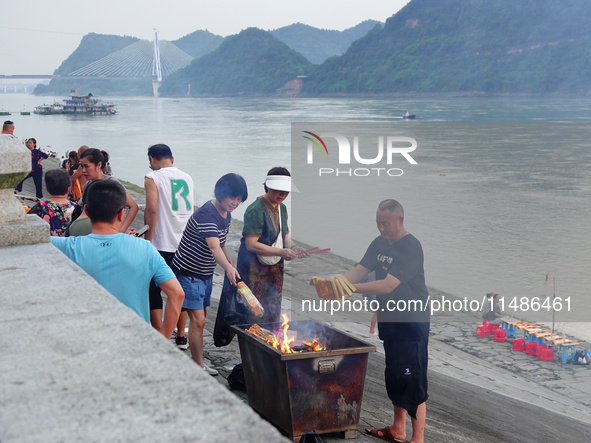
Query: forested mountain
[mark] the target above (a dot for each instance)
(316, 43)
(429, 46)
(92, 48)
(199, 43)
(251, 62)
(319, 44)
(500, 46)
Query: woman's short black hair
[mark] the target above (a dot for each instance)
(231, 185)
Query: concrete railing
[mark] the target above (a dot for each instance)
(77, 365)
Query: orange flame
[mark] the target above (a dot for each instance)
(314, 345)
(285, 344)
(286, 341)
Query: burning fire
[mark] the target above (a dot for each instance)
(283, 339)
(314, 345)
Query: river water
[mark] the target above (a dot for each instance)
(483, 226)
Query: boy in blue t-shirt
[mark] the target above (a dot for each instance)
(123, 264)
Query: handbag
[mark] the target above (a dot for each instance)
(270, 260)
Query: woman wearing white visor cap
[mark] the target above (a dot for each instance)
(279, 183)
(265, 245)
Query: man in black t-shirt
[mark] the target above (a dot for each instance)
(396, 256)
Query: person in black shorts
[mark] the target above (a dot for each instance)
(396, 256)
(169, 205)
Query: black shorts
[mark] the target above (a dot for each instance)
(406, 373)
(154, 292)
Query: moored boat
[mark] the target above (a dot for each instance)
(45, 109)
(87, 104)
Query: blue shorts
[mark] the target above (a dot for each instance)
(197, 291)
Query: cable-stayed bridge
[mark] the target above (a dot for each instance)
(141, 60)
(137, 60)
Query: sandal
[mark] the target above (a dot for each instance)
(384, 434)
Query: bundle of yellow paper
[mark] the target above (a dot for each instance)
(333, 288)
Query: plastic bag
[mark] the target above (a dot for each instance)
(580, 358)
(236, 378)
(231, 311)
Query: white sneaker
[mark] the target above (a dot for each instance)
(182, 343)
(210, 371)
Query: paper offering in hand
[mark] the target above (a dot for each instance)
(334, 288)
(317, 250)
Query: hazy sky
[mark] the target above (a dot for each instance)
(37, 35)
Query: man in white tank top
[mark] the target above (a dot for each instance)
(169, 205)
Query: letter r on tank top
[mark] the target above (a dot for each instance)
(180, 191)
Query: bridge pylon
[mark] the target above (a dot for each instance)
(156, 66)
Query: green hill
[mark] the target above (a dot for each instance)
(251, 62)
(319, 44)
(500, 46)
(93, 47)
(199, 43)
(429, 46)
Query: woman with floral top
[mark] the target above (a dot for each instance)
(57, 211)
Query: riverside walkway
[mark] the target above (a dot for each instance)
(480, 390)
